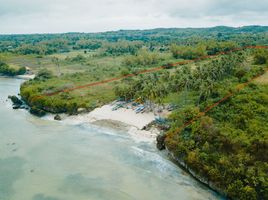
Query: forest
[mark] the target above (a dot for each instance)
(228, 146)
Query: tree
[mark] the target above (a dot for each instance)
(55, 60)
(21, 70)
(261, 57)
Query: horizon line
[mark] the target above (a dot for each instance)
(118, 30)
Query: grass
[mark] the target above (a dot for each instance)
(94, 62)
(262, 80)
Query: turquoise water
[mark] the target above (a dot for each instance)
(50, 160)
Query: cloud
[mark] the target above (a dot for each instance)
(30, 16)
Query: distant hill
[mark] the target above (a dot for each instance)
(153, 32)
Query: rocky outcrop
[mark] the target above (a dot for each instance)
(57, 117)
(160, 141)
(198, 177)
(37, 112)
(17, 103)
(15, 100)
(16, 107)
(160, 144)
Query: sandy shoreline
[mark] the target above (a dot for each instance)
(124, 115)
(121, 119)
(24, 76)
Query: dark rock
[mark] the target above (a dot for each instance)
(160, 139)
(57, 117)
(15, 100)
(16, 107)
(38, 112)
(24, 107)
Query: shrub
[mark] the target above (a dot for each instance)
(44, 74)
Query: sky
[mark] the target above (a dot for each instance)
(56, 16)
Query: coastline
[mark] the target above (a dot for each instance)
(82, 144)
(24, 76)
(137, 125)
(123, 119)
(130, 122)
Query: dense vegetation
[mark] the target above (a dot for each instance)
(228, 146)
(5, 69)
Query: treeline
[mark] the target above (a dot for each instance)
(88, 44)
(6, 70)
(43, 44)
(61, 46)
(121, 48)
(203, 48)
(43, 47)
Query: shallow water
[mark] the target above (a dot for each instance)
(50, 160)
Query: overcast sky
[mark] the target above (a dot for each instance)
(50, 16)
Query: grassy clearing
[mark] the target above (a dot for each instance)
(92, 62)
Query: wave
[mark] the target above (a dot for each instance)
(167, 169)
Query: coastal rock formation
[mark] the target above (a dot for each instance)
(198, 177)
(57, 117)
(160, 139)
(15, 100)
(17, 103)
(37, 112)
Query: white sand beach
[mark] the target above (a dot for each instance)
(26, 76)
(123, 118)
(127, 116)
